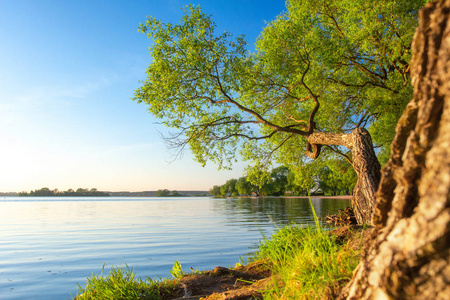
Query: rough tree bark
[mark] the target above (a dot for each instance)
(364, 162)
(409, 257)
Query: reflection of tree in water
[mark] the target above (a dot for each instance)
(281, 210)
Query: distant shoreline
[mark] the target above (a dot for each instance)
(145, 194)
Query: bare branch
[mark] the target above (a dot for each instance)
(258, 116)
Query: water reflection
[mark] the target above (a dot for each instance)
(281, 211)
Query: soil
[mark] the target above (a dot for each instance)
(239, 283)
(248, 282)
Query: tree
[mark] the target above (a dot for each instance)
(215, 191)
(276, 183)
(293, 187)
(163, 193)
(229, 188)
(69, 192)
(45, 192)
(244, 187)
(323, 72)
(409, 255)
(336, 177)
(82, 192)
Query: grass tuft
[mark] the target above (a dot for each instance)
(122, 284)
(308, 263)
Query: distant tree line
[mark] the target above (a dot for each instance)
(167, 193)
(334, 179)
(46, 192)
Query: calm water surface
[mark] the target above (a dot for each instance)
(48, 245)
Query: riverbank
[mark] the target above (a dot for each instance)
(298, 197)
(295, 263)
(322, 197)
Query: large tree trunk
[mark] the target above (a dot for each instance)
(409, 257)
(364, 162)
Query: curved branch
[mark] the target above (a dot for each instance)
(311, 124)
(313, 150)
(258, 116)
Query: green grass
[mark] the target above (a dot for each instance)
(121, 284)
(307, 262)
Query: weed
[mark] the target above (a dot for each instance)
(177, 270)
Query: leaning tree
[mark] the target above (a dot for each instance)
(409, 257)
(323, 75)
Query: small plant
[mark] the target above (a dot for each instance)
(177, 270)
(240, 263)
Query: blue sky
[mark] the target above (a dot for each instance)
(68, 70)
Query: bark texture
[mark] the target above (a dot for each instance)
(409, 257)
(364, 162)
(367, 168)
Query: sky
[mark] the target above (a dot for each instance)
(68, 71)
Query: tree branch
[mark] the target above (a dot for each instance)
(346, 157)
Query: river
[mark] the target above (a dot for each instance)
(49, 245)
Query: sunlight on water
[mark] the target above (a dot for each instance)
(48, 245)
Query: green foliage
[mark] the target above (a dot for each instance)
(122, 284)
(215, 191)
(338, 176)
(258, 175)
(182, 86)
(244, 187)
(229, 188)
(276, 185)
(163, 193)
(293, 187)
(303, 176)
(177, 270)
(350, 55)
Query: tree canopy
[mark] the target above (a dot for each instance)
(350, 58)
(323, 67)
